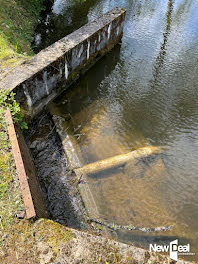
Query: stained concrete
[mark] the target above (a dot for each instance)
(41, 78)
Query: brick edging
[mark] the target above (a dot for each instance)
(32, 196)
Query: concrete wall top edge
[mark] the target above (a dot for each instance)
(47, 56)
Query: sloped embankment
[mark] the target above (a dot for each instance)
(18, 19)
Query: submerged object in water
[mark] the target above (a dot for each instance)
(117, 160)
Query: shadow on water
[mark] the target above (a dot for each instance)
(144, 240)
(54, 26)
(145, 94)
(50, 161)
(84, 91)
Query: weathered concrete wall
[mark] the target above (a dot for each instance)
(39, 79)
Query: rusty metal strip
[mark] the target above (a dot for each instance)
(23, 179)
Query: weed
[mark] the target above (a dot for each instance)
(7, 101)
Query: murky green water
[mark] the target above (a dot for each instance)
(145, 92)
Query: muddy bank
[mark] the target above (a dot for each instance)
(58, 185)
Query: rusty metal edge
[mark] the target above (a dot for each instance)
(23, 178)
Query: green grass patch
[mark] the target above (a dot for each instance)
(17, 22)
(10, 196)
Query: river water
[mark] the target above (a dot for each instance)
(143, 93)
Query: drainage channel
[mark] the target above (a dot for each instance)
(64, 180)
(58, 186)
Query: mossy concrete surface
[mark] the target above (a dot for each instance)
(45, 241)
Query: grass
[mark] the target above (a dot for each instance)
(17, 22)
(10, 197)
(25, 240)
(18, 237)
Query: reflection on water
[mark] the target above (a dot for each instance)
(66, 16)
(143, 94)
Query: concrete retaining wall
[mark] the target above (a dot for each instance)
(44, 76)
